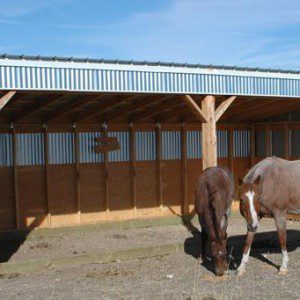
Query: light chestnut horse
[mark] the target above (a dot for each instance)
(272, 187)
(214, 194)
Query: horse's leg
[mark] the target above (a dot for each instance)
(280, 221)
(242, 268)
(204, 240)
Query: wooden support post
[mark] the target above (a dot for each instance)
(209, 135)
(252, 144)
(158, 164)
(15, 174)
(287, 140)
(77, 163)
(185, 207)
(230, 148)
(268, 144)
(46, 147)
(133, 172)
(106, 175)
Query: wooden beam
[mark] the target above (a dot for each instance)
(153, 110)
(6, 98)
(41, 104)
(223, 107)
(230, 148)
(136, 105)
(15, 176)
(47, 181)
(252, 145)
(209, 135)
(174, 112)
(193, 106)
(104, 105)
(268, 143)
(158, 168)
(287, 140)
(272, 111)
(133, 169)
(106, 177)
(69, 107)
(77, 169)
(185, 205)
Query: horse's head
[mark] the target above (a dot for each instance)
(249, 203)
(219, 252)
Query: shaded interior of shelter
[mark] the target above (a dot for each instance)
(51, 175)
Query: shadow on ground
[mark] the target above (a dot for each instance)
(264, 242)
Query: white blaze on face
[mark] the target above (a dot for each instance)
(250, 195)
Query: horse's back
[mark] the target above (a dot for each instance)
(215, 188)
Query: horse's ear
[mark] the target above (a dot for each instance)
(257, 180)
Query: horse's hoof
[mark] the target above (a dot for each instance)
(282, 272)
(240, 272)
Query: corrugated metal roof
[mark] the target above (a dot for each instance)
(92, 75)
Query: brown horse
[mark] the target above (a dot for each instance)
(270, 188)
(214, 194)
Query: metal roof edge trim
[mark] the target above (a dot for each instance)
(148, 67)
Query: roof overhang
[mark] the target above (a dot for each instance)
(44, 74)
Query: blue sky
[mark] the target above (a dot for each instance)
(260, 33)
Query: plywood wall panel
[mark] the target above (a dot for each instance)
(172, 186)
(92, 192)
(194, 169)
(7, 204)
(120, 186)
(147, 189)
(62, 195)
(32, 196)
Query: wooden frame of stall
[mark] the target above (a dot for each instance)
(61, 195)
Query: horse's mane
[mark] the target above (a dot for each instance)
(260, 169)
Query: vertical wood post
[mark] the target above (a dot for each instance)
(158, 167)
(268, 144)
(46, 147)
(133, 172)
(252, 144)
(106, 175)
(77, 162)
(230, 148)
(287, 140)
(15, 174)
(185, 206)
(209, 135)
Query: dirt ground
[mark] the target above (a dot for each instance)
(176, 276)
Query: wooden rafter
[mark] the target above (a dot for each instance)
(248, 110)
(177, 111)
(6, 98)
(153, 110)
(41, 104)
(278, 110)
(68, 108)
(103, 106)
(223, 107)
(194, 107)
(131, 107)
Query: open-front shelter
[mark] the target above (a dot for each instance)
(84, 141)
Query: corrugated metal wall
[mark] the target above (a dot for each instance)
(241, 143)
(193, 144)
(222, 143)
(295, 144)
(30, 149)
(81, 77)
(171, 145)
(6, 150)
(260, 141)
(87, 145)
(123, 154)
(277, 143)
(145, 145)
(61, 148)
